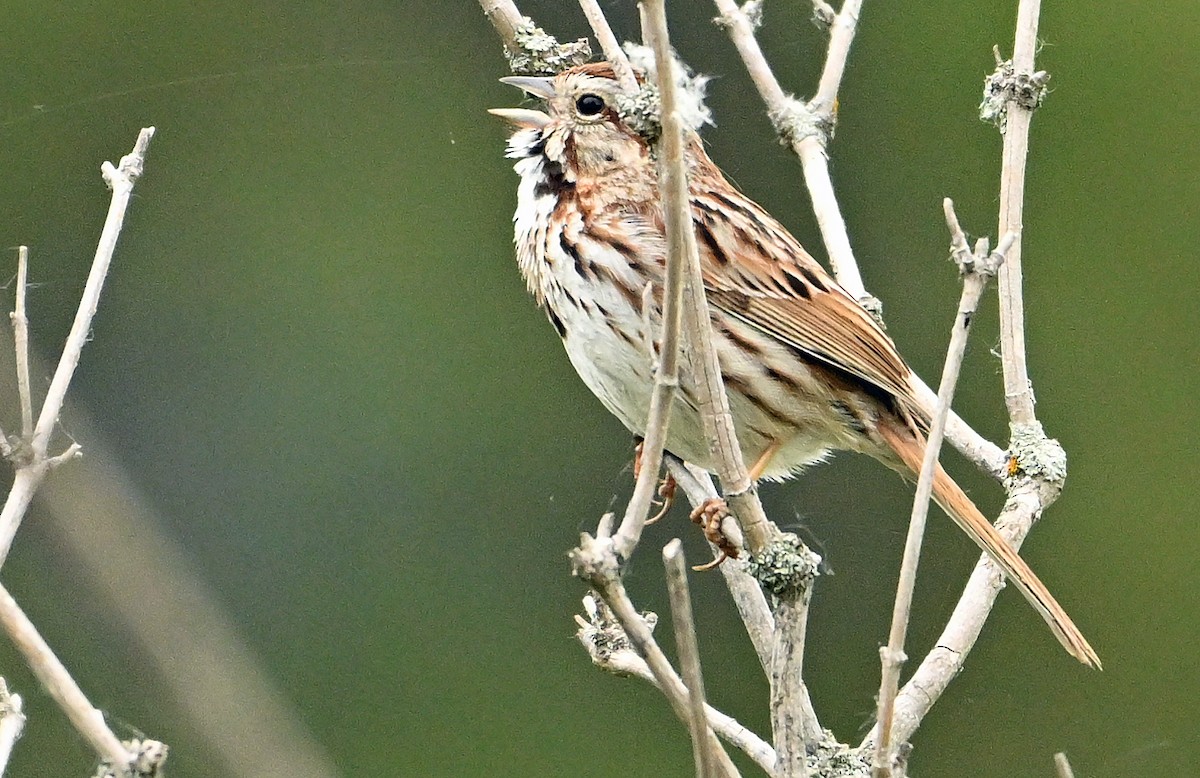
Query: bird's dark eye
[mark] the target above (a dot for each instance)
(589, 105)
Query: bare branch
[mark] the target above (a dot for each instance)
(1018, 392)
(610, 650)
(32, 470)
(609, 45)
(841, 35)
(1062, 767)
(73, 452)
(744, 588)
(507, 19)
(595, 561)
(689, 654)
(946, 659)
(528, 48)
(976, 270)
(806, 128)
(794, 724)
(672, 181)
(88, 721)
(121, 180)
(20, 324)
(714, 405)
(781, 563)
(12, 723)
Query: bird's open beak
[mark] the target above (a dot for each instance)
(538, 87)
(525, 117)
(522, 117)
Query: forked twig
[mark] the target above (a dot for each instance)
(805, 128)
(594, 561)
(34, 462)
(611, 650)
(976, 269)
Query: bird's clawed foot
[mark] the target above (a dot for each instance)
(666, 492)
(666, 487)
(709, 515)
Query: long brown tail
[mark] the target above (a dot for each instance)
(910, 447)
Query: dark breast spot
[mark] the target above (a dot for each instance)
(572, 251)
(557, 322)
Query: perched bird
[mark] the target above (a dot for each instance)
(807, 370)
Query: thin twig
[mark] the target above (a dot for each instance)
(944, 662)
(841, 35)
(609, 647)
(1018, 392)
(121, 180)
(795, 121)
(747, 594)
(805, 128)
(609, 45)
(710, 389)
(20, 324)
(507, 19)
(12, 723)
(793, 721)
(1032, 492)
(689, 654)
(672, 179)
(55, 679)
(29, 474)
(1062, 767)
(977, 269)
(594, 561)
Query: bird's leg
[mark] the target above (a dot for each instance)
(760, 464)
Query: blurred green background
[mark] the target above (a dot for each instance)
(316, 363)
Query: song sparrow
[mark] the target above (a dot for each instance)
(807, 369)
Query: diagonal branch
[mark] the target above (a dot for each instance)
(610, 649)
(804, 130)
(595, 562)
(35, 464)
(55, 679)
(976, 268)
(681, 247)
(609, 45)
